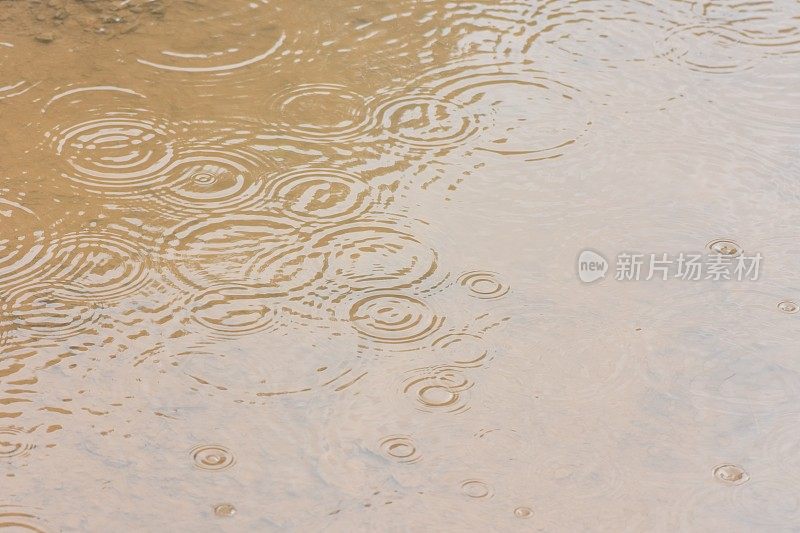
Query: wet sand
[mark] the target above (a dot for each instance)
(313, 265)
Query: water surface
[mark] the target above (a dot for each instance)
(311, 265)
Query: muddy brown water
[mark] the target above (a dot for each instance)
(311, 265)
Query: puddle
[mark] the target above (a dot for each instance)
(312, 266)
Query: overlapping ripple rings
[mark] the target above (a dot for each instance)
(393, 318)
(320, 194)
(311, 265)
(439, 389)
(14, 442)
(38, 310)
(229, 311)
(380, 253)
(211, 179)
(626, 34)
(322, 112)
(216, 248)
(710, 49)
(98, 267)
(118, 152)
(773, 26)
(503, 103)
(24, 249)
(426, 121)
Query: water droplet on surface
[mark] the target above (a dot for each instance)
(523, 512)
(225, 510)
(731, 474)
(212, 457)
(788, 307)
(725, 247)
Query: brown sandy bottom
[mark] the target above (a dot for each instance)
(307, 265)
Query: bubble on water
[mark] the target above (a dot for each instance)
(212, 457)
(475, 488)
(725, 247)
(523, 512)
(224, 510)
(788, 306)
(483, 284)
(400, 448)
(731, 474)
(393, 318)
(321, 194)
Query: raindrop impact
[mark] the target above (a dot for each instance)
(725, 247)
(212, 457)
(731, 474)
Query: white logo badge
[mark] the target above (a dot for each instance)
(591, 266)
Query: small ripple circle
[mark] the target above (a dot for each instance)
(400, 448)
(212, 457)
(483, 284)
(394, 318)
